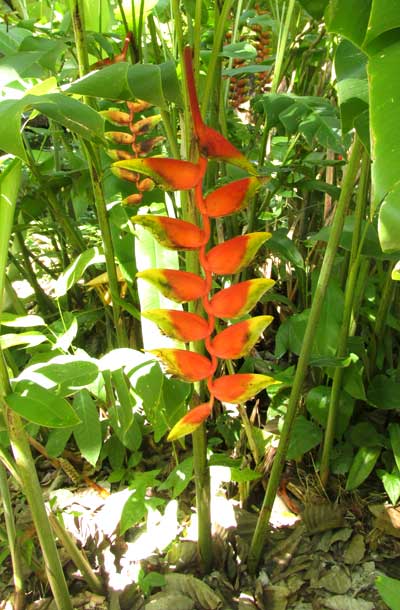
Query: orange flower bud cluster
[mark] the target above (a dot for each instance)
(135, 141)
(243, 86)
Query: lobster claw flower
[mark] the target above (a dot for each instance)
(239, 299)
(188, 366)
(231, 197)
(180, 325)
(172, 233)
(179, 286)
(235, 254)
(237, 340)
(240, 387)
(169, 174)
(190, 422)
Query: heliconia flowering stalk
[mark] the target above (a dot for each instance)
(237, 339)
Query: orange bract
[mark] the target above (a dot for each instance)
(235, 254)
(179, 286)
(180, 325)
(239, 299)
(190, 422)
(240, 387)
(169, 174)
(237, 340)
(171, 233)
(187, 365)
(231, 197)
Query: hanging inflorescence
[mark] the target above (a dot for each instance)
(227, 258)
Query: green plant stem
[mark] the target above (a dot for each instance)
(280, 55)
(385, 302)
(203, 497)
(354, 267)
(261, 530)
(218, 37)
(77, 556)
(19, 602)
(12, 297)
(93, 159)
(31, 487)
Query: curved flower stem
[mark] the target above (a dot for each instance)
(261, 530)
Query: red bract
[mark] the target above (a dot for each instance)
(226, 258)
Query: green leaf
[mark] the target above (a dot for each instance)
(30, 339)
(133, 512)
(314, 7)
(179, 478)
(282, 245)
(384, 17)
(352, 23)
(364, 434)
(305, 436)
(317, 404)
(389, 590)
(57, 440)
(42, 406)
(362, 466)
(72, 114)
(241, 50)
(69, 373)
(389, 221)
(391, 483)
(76, 269)
(352, 84)
(385, 127)
(10, 180)
(88, 433)
(122, 81)
(18, 321)
(394, 434)
(384, 393)
(396, 272)
(241, 475)
(170, 83)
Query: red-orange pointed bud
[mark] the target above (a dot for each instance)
(172, 233)
(213, 145)
(134, 199)
(179, 286)
(169, 174)
(188, 366)
(235, 254)
(231, 197)
(124, 174)
(239, 299)
(179, 325)
(138, 106)
(190, 422)
(144, 125)
(237, 340)
(116, 116)
(120, 137)
(118, 155)
(145, 146)
(146, 184)
(240, 387)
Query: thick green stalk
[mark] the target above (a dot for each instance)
(19, 602)
(355, 260)
(261, 530)
(76, 555)
(282, 42)
(32, 490)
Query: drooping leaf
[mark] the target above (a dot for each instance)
(179, 286)
(231, 197)
(391, 483)
(42, 406)
(169, 174)
(184, 364)
(389, 590)
(190, 422)
(384, 392)
(88, 433)
(237, 340)
(75, 270)
(239, 299)
(179, 478)
(240, 387)
(10, 180)
(172, 233)
(235, 254)
(362, 466)
(180, 325)
(305, 436)
(394, 434)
